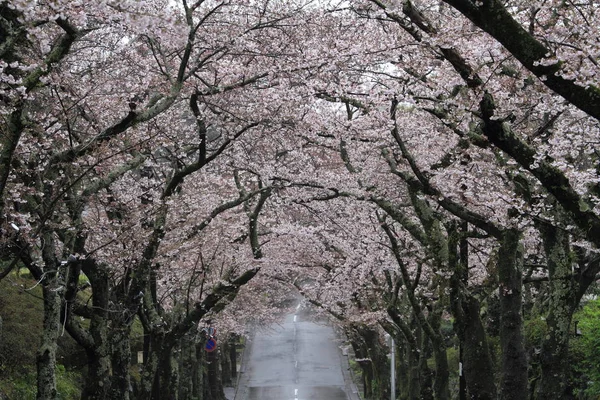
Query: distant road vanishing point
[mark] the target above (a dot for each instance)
(296, 360)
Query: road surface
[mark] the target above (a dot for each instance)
(295, 360)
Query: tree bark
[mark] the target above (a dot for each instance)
(197, 378)
(513, 381)
(493, 17)
(53, 290)
(379, 363)
(226, 366)
(46, 355)
(120, 361)
(441, 385)
(215, 385)
(477, 368)
(563, 290)
(168, 374)
(150, 382)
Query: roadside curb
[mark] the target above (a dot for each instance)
(351, 388)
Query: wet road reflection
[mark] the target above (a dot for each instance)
(295, 360)
(302, 393)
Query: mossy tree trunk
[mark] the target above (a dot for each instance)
(168, 376)
(213, 371)
(430, 323)
(362, 357)
(417, 359)
(478, 369)
(379, 363)
(408, 377)
(427, 375)
(158, 371)
(513, 381)
(150, 381)
(554, 360)
(226, 367)
(186, 360)
(441, 385)
(97, 381)
(198, 373)
(120, 362)
(233, 355)
(53, 288)
(402, 367)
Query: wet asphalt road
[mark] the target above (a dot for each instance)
(296, 360)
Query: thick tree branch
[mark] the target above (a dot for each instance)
(422, 184)
(494, 18)
(222, 208)
(554, 181)
(178, 176)
(211, 303)
(417, 18)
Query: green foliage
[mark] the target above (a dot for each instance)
(587, 346)
(453, 367)
(68, 383)
(23, 386)
(535, 329)
(453, 360)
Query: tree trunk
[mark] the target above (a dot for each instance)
(120, 361)
(197, 378)
(408, 340)
(379, 364)
(53, 290)
(226, 366)
(169, 376)
(186, 362)
(513, 381)
(404, 368)
(441, 386)
(414, 374)
(149, 382)
(424, 370)
(97, 382)
(215, 385)
(477, 366)
(46, 355)
(563, 290)
(361, 355)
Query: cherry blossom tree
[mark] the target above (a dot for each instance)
(397, 162)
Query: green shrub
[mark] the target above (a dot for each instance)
(68, 383)
(23, 386)
(588, 346)
(535, 330)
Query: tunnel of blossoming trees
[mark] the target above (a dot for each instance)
(176, 174)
